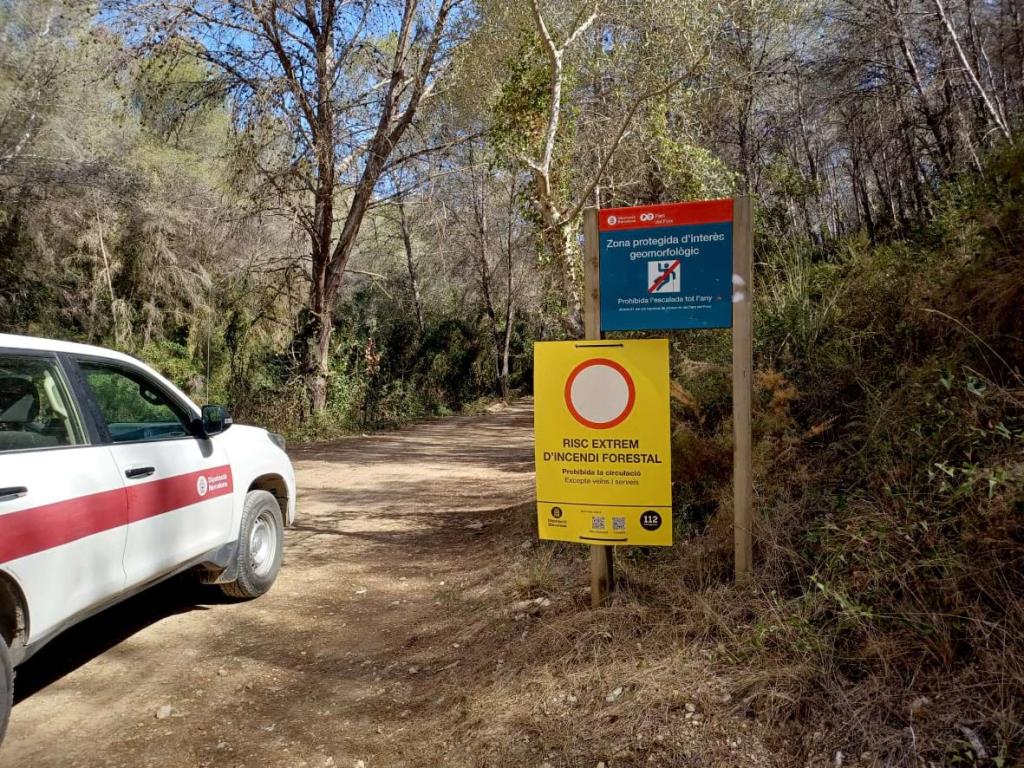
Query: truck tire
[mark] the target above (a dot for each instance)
(6, 688)
(260, 543)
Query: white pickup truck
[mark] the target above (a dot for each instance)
(111, 479)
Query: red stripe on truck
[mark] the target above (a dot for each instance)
(36, 529)
(39, 528)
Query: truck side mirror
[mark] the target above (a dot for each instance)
(215, 420)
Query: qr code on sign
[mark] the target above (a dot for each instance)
(597, 522)
(618, 523)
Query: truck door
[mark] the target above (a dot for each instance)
(63, 511)
(178, 485)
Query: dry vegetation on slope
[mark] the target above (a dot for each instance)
(885, 625)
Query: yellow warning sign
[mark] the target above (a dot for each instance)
(601, 423)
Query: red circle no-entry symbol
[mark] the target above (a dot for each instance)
(600, 393)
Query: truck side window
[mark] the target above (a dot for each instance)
(35, 410)
(132, 406)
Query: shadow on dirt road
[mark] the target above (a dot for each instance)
(95, 636)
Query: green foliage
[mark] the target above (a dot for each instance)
(685, 169)
(174, 93)
(519, 113)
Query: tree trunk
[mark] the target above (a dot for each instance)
(560, 236)
(410, 264)
(562, 241)
(991, 108)
(860, 190)
(503, 374)
(483, 272)
(1017, 25)
(330, 259)
(943, 151)
(314, 346)
(503, 371)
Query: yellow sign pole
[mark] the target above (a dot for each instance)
(602, 557)
(742, 363)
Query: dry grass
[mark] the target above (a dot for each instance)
(627, 685)
(767, 685)
(885, 626)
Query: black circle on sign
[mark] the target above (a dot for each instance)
(556, 512)
(650, 520)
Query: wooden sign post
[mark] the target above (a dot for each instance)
(668, 268)
(742, 389)
(602, 556)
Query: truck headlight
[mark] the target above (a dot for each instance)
(276, 439)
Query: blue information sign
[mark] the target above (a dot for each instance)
(666, 266)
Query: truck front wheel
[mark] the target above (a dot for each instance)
(260, 545)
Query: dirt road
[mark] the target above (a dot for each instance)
(350, 658)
